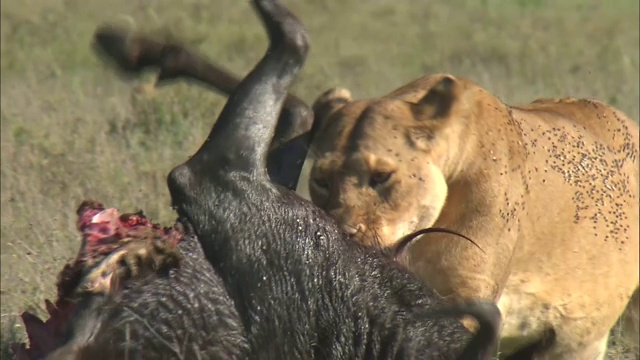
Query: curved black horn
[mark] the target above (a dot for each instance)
(400, 248)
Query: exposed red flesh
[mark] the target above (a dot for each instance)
(103, 230)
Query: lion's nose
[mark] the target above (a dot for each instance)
(353, 230)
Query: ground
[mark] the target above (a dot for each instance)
(70, 129)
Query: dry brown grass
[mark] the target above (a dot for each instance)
(70, 130)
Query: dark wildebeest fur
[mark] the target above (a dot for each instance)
(302, 289)
(185, 314)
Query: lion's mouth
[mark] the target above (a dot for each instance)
(99, 268)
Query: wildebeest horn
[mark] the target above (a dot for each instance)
(400, 249)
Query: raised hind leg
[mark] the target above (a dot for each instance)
(239, 141)
(134, 53)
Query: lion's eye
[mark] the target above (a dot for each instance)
(378, 178)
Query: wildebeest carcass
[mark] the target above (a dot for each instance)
(280, 280)
(136, 290)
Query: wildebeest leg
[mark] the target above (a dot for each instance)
(133, 53)
(239, 141)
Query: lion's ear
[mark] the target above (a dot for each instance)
(329, 102)
(439, 99)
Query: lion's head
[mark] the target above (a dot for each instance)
(382, 165)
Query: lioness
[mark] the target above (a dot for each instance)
(549, 190)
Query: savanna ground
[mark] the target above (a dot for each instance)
(72, 130)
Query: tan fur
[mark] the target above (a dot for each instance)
(549, 191)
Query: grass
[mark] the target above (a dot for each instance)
(71, 130)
